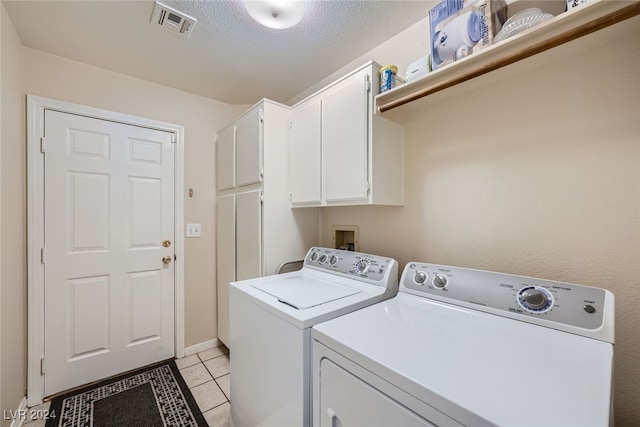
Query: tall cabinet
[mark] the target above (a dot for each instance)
(257, 231)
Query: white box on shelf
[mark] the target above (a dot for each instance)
(418, 68)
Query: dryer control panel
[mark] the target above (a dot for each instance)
(574, 308)
(375, 269)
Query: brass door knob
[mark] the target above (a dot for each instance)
(166, 243)
(166, 259)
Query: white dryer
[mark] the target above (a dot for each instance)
(467, 347)
(270, 330)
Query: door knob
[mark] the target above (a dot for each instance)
(166, 259)
(166, 243)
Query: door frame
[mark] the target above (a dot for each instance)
(36, 107)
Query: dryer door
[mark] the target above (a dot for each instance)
(347, 401)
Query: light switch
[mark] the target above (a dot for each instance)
(193, 230)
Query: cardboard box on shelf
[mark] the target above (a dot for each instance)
(461, 27)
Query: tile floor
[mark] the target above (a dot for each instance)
(207, 375)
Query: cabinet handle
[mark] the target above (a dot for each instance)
(333, 417)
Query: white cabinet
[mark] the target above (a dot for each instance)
(249, 148)
(305, 153)
(226, 166)
(257, 230)
(361, 160)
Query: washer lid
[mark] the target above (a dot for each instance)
(302, 293)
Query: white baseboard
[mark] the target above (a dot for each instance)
(207, 345)
(19, 415)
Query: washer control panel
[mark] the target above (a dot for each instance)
(520, 297)
(371, 268)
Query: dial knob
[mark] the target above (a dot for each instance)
(333, 260)
(323, 259)
(440, 281)
(314, 256)
(361, 266)
(420, 277)
(535, 299)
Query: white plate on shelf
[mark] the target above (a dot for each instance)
(520, 22)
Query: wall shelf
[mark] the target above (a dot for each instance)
(558, 31)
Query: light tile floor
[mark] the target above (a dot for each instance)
(207, 375)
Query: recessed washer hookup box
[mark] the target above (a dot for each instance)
(459, 28)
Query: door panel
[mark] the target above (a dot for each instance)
(305, 153)
(248, 235)
(226, 159)
(109, 204)
(249, 149)
(344, 140)
(225, 260)
(347, 401)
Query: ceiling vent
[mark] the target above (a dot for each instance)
(172, 20)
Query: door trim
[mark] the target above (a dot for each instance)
(36, 107)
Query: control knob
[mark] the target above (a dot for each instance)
(333, 260)
(535, 299)
(420, 277)
(323, 258)
(361, 266)
(440, 281)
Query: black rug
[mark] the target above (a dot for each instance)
(154, 396)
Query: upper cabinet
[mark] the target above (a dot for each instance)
(340, 153)
(249, 148)
(569, 32)
(226, 164)
(305, 153)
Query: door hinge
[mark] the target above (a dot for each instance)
(42, 144)
(42, 370)
(367, 187)
(261, 116)
(174, 138)
(43, 255)
(367, 83)
(261, 196)
(290, 124)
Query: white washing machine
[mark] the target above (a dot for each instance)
(467, 347)
(270, 330)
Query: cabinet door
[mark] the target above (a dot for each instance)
(344, 139)
(248, 235)
(305, 153)
(225, 260)
(226, 159)
(249, 149)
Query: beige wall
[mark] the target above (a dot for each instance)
(539, 175)
(13, 225)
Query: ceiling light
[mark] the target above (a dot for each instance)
(279, 14)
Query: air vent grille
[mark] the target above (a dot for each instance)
(172, 20)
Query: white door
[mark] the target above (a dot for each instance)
(249, 149)
(347, 401)
(305, 153)
(344, 139)
(248, 235)
(109, 206)
(225, 260)
(226, 159)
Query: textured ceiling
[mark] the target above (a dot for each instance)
(228, 57)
